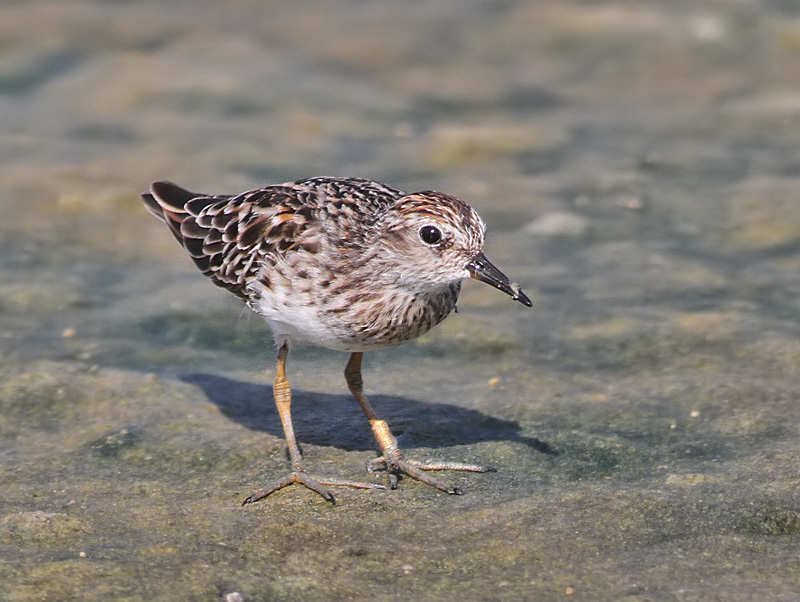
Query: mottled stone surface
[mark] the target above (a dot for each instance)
(643, 417)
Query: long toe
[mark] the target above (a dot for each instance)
(398, 465)
(271, 488)
(415, 472)
(463, 466)
(317, 485)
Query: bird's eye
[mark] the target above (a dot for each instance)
(430, 235)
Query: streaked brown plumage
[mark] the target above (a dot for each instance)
(343, 263)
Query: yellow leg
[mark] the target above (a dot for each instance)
(283, 401)
(393, 459)
(282, 393)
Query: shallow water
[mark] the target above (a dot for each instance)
(637, 166)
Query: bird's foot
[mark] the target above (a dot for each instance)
(314, 484)
(396, 464)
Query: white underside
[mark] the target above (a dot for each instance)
(296, 324)
(297, 319)
(291, 324)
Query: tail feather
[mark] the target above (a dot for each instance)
(167, 201)
(151, 204)
(228, 263)
(172, 195)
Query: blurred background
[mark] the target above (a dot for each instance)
(637, 164)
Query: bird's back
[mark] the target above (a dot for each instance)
(230, 236)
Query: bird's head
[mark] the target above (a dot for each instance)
(437, 240)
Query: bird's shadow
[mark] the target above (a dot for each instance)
(337, 420)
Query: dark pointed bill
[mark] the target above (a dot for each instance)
(482, 269)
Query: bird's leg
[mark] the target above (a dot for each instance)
(283, 400)
(394, 460)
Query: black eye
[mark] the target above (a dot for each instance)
(430, 235)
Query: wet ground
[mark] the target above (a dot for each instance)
(637, 164)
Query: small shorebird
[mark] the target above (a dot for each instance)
(344, 263)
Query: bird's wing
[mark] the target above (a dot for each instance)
(228, 237)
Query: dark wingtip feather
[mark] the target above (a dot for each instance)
(151, 204)
(171, 194)
(166, 201)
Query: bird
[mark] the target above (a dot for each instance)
(349, 264)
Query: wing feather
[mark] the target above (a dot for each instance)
(233, 239)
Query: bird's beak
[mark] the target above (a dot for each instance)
(482, 269)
